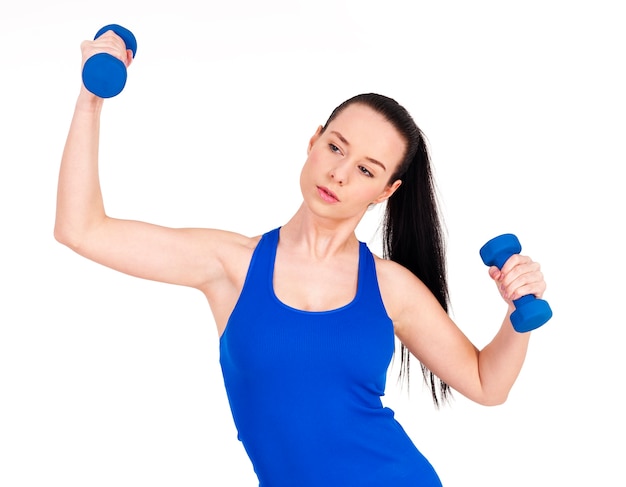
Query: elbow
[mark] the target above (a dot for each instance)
(62, 235)
(496, 399)
(485, 397)
(75, 222)
(65, 236)
(59, 234)
(493, 403)
(77, 236)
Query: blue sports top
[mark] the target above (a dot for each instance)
(305, 387)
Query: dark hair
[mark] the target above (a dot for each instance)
(412, 225)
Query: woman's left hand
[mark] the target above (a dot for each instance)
(519, 276)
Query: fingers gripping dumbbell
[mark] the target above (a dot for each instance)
(105, 75)
(530, 312)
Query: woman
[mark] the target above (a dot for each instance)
(306, 313)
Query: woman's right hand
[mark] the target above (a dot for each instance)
(109, 43)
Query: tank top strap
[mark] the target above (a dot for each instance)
(368, 288)
(261, 268)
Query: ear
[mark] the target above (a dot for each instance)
(389, 190)
(316, 136)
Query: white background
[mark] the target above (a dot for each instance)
(110, 380)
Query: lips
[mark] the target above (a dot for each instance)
(327, 195)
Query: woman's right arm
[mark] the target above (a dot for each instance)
(189, 257)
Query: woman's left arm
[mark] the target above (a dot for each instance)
(501, 360)
(485, 376)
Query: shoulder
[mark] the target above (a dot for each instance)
(402, 291)
(233, 249)
(395, 280)
(233, 240)
(224, 255)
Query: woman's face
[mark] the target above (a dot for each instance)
(350, 163)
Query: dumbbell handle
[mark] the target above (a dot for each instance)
(530, 312)
(104, 75)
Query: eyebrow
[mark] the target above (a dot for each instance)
(343, 140)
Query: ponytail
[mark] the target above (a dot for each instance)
(412, 227)
(413, 237)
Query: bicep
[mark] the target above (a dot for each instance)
(435, 340)
(429, 333)
(187, 256)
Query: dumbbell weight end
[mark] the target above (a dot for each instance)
(530, 313)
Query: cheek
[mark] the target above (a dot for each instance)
(313, 163)
(306, 172)
(313, 158)
(376, 193)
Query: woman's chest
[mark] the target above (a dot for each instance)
(314, 286)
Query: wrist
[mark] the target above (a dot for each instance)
(89, 102)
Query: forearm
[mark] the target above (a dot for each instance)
(500, 362)
(79, 198)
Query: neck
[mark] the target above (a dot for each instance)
(320, 237)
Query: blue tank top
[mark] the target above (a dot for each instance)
(305, 387)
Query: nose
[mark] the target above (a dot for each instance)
(339, 174)
(338, 180)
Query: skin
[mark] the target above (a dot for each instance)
(347, 169)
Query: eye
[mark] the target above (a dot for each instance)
(365, 171)
(334, 148)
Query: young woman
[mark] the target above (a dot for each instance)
(306, 314)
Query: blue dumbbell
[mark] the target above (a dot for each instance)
(105, 75)
(530, 312)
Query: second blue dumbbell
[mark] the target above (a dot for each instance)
(530, 312)
(105, 75)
